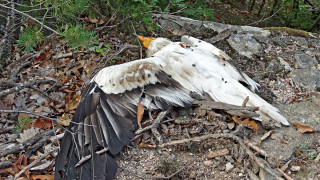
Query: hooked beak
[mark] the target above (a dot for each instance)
(145, 41)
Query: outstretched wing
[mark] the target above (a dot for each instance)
(106, 117)
(210, 50)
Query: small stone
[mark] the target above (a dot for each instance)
(208, 163)
(240, 174)
(229, 166)
(230, 125)
(295, 168)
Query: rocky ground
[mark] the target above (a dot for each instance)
(284, 61)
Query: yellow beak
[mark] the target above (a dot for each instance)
(145, 41)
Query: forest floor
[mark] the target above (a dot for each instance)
(50, 80)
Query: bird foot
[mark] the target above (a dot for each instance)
(155, 125)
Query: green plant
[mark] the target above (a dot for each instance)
(294, 13)
(30, 38)
(312, 154)
(199, 10)
(103, 51)
(77, 37)
(24, 121)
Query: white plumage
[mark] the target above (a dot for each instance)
(172, 71)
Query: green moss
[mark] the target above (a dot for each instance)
(290, 31)
(168, 166)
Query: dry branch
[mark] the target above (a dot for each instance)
(24, 145)
(19, 86)
(244, 112)
(256, 148)
(27, 15)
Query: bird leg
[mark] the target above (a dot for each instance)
(155, 125)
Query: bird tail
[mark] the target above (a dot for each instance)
(69, 156)
(267, 111)
(234, 93)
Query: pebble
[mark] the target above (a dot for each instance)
(208, 163)
(295, 168)
(230, 125)
(229, 166)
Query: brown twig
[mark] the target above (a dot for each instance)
(19, 86)
(27, 15)
(284, 174)
(256, 148)
(86, 158)
(245, 101)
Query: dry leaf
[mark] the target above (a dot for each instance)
(17, 166)
(42, 56)
(43, 177)
(303, 128)
(65, 120)
(27, 134)
(73, 104)
(236, 119)
(42, 123)
(250, 124)
(89, 67)
(65, 79)
(246, 123)
(140, 112)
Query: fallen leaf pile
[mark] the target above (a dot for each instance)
(52, 80)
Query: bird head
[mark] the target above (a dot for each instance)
(153, 45)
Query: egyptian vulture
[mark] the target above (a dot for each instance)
(106, 115)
